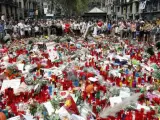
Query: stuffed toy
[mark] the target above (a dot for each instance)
(2, 116)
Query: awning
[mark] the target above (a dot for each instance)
(96, 10)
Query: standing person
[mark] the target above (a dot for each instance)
(49, 24)
(29, 29)
(1, 31)
(67, 29)
(133, 30)
(36, 28)
(129, 29)
(147, 30)
(45, 32)
(15, 27)
(21, 28)
(26, 30)
(104, 28)
(58, 27)
(83, 27)
(153, 31)
(32, 29)
(8, 27)
(117, 32)
(157, 35)
(140, 27)
(109, 27)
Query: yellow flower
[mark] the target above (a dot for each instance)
(68, 103)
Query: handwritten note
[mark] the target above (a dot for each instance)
(10, 84)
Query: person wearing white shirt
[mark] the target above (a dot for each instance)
(36, 28)
(26, 30)
(21, 27)
(15, 28)
(29, 29)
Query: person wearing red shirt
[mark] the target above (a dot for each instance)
(67, 28)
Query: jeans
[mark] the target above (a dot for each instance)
(133, 35)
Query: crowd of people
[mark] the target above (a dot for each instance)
(133, 29)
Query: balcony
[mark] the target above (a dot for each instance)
(116, 2)
(124, 2)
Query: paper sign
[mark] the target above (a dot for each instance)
(115, 100)
(124, 94)
(50, 44)
(49, 107)
(115, 73)
(74, 97)
(20, 66)
(55, 71)
(10, 84)
(139, 107)
(93, 79)
(15, 118)
(28, 117)
(52, 53)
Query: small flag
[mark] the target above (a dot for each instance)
(142, 5)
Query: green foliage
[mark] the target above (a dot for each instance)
(71, 6)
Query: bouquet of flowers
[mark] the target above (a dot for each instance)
(12, 72)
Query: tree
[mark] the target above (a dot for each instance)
(71, 6)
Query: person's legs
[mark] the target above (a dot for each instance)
(133, 35)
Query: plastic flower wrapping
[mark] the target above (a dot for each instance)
(65, 78)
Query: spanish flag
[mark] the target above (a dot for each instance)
(71, 106)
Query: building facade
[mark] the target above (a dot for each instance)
(8, 8)
(152, 10)
(130, 9)
(18, 9)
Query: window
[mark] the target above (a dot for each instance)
(118, 9)
(131, 9)
(137, 7)
(0, 9)
(159, 5)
